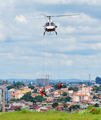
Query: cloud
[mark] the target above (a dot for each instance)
(21, 75)
(21, 19)
(67, 62)
(88, 2)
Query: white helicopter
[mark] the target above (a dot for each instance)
(50, 26)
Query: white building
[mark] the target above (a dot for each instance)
(42, 82)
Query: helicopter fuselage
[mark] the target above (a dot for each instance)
(50, 27)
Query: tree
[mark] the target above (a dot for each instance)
(18, 109)
(35, 91)
(32, 87)
(14, 100)
(96, 105)
(65, 105)
(27, 97)
(74, 107)
(68, 98)
(55, 104)
(56, 86)
(95, 88)
(94, 97)
(39, 98)
(10, 87)
(18, 84)
(64, 86)
(64, 94)
(70, 88)
(44, 99)
(61, 99)
(75, 89)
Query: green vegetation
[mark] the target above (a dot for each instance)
(63, 86)
(67, 99)
(72, 107)
(96, 89)
(65, 106)
(55, 104)
(15, 85)
(39, 98)
(35, 91)
(73, 88)
(10, 87)
(14, 100)
(96, 105)
(64, 94)
(18, 84)
(50, 115)
(27, 97)
(32, 87)
(18, 109)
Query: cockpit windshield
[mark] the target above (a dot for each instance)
(47, 24)
(52, 24)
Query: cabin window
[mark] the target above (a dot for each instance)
(52, 24)
(47, 24)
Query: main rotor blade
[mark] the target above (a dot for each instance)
(58, 15)
(43, 14)
(65, 15)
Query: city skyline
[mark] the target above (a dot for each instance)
(21, 39)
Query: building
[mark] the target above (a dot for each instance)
(98, 80)
(6, 94)
(0, 95)
(16, 95)
(80, 97)
(42, 82)
(57, 95)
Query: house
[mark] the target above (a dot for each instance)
(50, 99)
(34, 94)
(46, 104)
(49, 107)
(16, 95)
(68, 104)
(79, 97)
(56, 95)
(43, 109)
(14, 107)
(60, 107)
(100, 97)
(70, 92)
(25, 90)
(63, 90)
(37, 108)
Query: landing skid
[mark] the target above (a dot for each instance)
(50, 33)
(55, 32)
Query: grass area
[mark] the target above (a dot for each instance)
(23, 115)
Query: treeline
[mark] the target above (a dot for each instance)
(15, 85)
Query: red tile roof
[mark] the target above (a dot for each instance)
(37, 108)
(80, 86)
(50, 98)
(48, 86)
(56, 93)
(15, 106)
(100, 96)
(14, 93)
(80, 94)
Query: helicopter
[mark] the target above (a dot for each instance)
(50, 26)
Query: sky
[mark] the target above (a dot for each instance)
(74, 53)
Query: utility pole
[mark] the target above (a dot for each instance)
(3, 106)
(3, 96)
